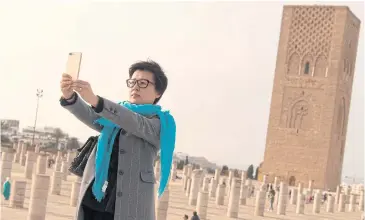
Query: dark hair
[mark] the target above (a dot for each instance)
(195, 213)
(158, 75)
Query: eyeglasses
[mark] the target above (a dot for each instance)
(142, 83)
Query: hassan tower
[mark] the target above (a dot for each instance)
(311, 96)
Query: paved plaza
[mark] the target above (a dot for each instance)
(58, 207)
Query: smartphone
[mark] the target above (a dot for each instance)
(73, 64)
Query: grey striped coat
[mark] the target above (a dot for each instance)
(135, 195)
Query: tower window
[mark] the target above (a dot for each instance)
(306, 68)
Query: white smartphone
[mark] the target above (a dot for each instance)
(73, 64)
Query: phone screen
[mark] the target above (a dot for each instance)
(73, 64)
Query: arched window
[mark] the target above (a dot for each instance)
(306, 68)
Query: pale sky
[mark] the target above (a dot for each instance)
(219, 58)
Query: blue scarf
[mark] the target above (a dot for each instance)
(107, 138)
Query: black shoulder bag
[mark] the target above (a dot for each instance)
(78, 165)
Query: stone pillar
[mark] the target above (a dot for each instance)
(330, 204)
(243, 194)
(163, 205)
(341, 203)
(212, 187)
(361, 201)
(293, 196)
(202, 205)
(6, 165)
(17, 194)
(195, 185)
(64, 170)
(173, 172)
(249, 187)
(56, 182)
(229, 182)
(283, 196)
(206, 184)
(317, 202)
(189, 170)
(300, 204)
(264, 179)
(310, 188)
(17, 154)
(234, 196)
(352, 203)
(38, 197)
(217, 175)
(221, 190)
(188, 186)
(29, 164)
(58, 163)
(243, 176)
(276, 182)
(23, 152)
(185, 182)
(260, 203)
(347, 193)
(157, 169)
(338, 192)
(75, 191)
(41, 166)
(300, 188)
(202, 178)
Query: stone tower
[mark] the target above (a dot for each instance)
(311, 95)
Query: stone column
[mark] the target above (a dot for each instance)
(58, 163)
(243, 194)
(310, 187)
(189, 170)
(283, 196)
(202, 178)
(188, 186)
(185, 182)
(29, 164)
(221, 190)
(195, 185)
(202, 205)
(75, 191)
(234, 196)
(173, 172)
(249, 187)
(300, 204)
(243, 176)
(38, 197)
(17, 154)
(361, 201)
(56, 182)
(213, 187)
(260, 203)
(206, 184)
(300, 188)
(163, 205)
(352, 203)
(276, 182)
(347, 193)
(64, 170)
(330, 204)
(341, 203)
(317, 202)
(157, 169)
(23, 152)
(17, 194)
(229, 182)
(6, 165)
(293, 196)
(217, 175)
(41, 166)
(338, 192)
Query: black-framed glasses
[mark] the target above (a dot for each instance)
(142, 83)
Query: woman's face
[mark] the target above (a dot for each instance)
(142, 88)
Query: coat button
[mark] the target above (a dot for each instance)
(119, 194)
(122, 151)
(121, 172)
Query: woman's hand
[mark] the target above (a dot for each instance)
(65, 84)
(85, 91)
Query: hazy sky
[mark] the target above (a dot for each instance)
(219, 58)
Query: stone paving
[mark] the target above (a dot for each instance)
(58, 207)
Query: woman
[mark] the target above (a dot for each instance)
(118, 180)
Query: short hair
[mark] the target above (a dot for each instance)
(158, 75)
